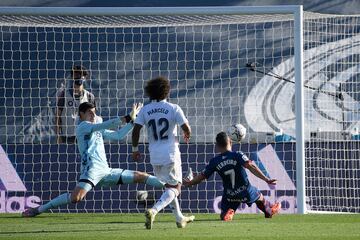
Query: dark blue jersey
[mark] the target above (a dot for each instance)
(229, 165)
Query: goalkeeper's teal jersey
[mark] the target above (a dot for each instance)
(90, 140)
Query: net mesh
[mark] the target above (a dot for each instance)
(205, 58)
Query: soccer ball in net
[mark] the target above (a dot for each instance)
(236, 132)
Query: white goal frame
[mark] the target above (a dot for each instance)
(296, 10)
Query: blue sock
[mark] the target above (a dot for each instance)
(154, 181)
(58, 201)
(127, 176)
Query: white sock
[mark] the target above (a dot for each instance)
(58, 201)
(166, 198)
(175, 207)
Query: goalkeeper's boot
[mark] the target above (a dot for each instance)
(30, 212)
(229, 215)
(149, 218)
(185, 221)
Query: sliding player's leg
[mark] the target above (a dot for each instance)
(228, 209)
(266, 207)
(123, 176)
(75, 196)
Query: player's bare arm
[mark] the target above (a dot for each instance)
(136, 132)
(135, 142)
(187, 132)
(196, 180)
(253, 168)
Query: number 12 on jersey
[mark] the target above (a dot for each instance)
(159, 128)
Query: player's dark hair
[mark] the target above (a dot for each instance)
(79, 69)
(85, 106)
(158, 88)
(221, 139)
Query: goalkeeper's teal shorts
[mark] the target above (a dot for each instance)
(107, 177)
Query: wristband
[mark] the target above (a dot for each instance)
(135, 149)
(128, 119)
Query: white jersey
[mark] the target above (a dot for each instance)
(161, 120)
(69, 115)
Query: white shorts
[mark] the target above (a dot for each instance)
(164, 157)
(170, 173)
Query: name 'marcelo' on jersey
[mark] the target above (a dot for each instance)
(229, 165)
(161, 119)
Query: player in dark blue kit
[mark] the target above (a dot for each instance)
(237, 188)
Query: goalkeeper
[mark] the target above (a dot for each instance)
(237, 188)
(95, 170)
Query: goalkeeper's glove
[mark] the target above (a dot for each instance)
(135, 110)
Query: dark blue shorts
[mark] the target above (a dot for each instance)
(249, 196)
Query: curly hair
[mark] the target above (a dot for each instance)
(158, 88)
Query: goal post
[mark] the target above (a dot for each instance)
(299, 108)
(270, 68)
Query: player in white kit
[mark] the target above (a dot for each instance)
(161, 119)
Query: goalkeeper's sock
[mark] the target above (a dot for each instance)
(264, 206)
(58, 201)
(166, 198)
(175, 207)
(154, 181)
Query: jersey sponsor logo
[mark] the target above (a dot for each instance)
(236, 191)
(270, 164)
(10, 182)
(237, 200)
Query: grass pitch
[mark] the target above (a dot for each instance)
(206, 226)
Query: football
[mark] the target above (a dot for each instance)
(236, 132)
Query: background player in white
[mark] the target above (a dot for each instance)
(95, 170)
(69, 97)
(161, 119)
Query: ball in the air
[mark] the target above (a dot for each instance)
(236, 132)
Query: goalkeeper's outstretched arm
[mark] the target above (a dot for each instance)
(129, 119)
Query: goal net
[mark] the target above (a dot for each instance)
(332, 157)
(223, 69)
